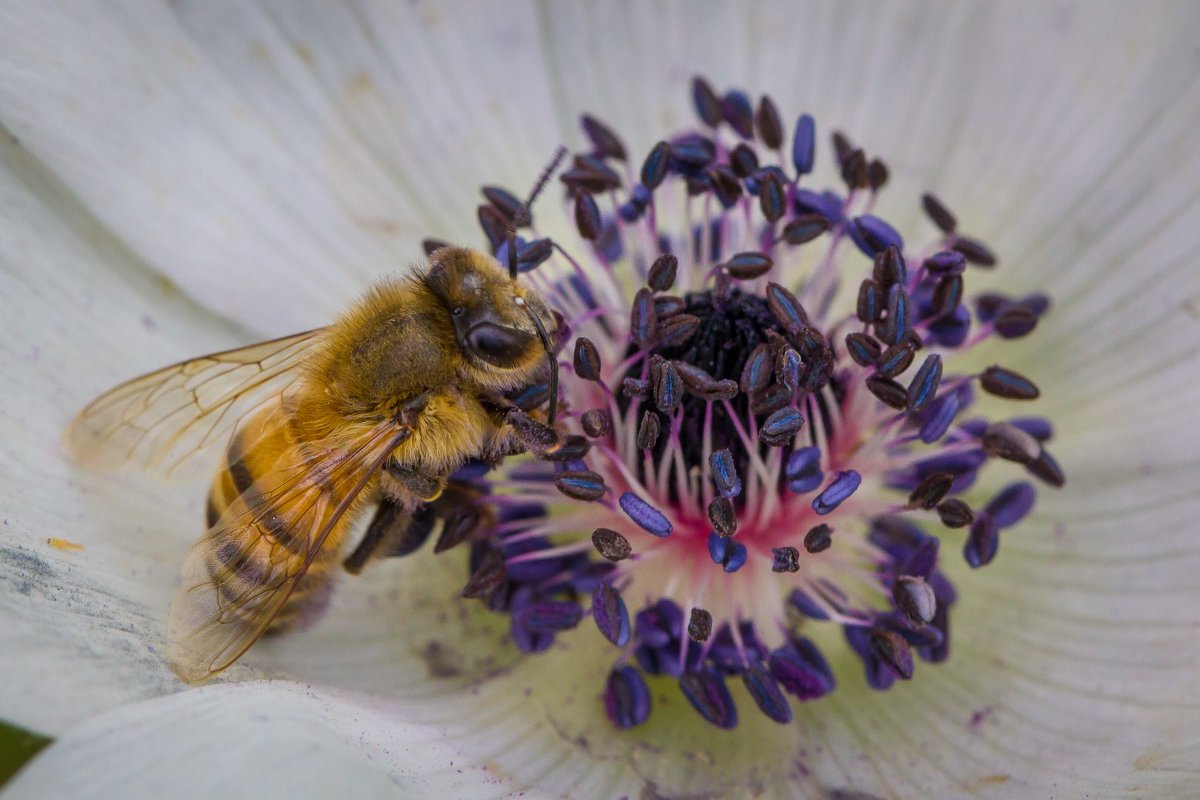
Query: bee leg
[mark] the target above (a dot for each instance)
(411, 409)
(467, 522)
(385, 517)
(394, 531)
(516, 430)
(520, 433)
(422, 486)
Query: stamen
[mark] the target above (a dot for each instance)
(748, 266)
(611, 615)
(699, 625)
(895, 360)
(580, 484)
(1007, 441)
(647, 517)
(924, 385)
(915, 598)
(1008, 384)
(930, 491)
(728, 553)
(805, 229)
(611, 544)
(705, 689)
(818, 539)
(724, 473)
(801, 670)
(804, 145)
(587, 216)
(781, 426)
(937, 212)
(643, 319)
(890, 648)
(955, 513)
(975, 251)
(767, 694)
(626, 698)
(648, 430)
(549, 616)
(785, 559)
(587, 360)
(803, 470)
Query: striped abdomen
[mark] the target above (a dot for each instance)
(266, 507)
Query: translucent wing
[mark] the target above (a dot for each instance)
(165, 419)
(241, 573)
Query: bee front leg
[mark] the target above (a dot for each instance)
(520, 433)
(410, 410)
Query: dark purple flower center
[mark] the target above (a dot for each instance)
(731, 326)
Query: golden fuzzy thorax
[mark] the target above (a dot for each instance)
(399, 344)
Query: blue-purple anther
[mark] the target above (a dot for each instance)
(837, 492)
(729, 554)
(647, 517)
(626, 697)
(766, 429)
(611, 615)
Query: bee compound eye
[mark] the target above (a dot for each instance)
(498, 345)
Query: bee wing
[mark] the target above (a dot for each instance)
(166, 418)
(229, 597)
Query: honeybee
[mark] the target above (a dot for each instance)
(390, 399)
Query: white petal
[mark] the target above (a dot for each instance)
(78, 314)
(310, 150)
(264, 740)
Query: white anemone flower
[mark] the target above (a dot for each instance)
(181, 178)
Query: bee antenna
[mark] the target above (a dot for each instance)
(522, 217)
(548, 346)
(550, 169)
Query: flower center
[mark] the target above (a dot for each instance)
(758, 423)
(728, 331)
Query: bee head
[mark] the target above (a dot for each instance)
(498, 322)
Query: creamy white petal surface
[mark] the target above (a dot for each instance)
(264, 740)
(311, 148)
(82, 628)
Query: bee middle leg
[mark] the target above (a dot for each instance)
(395, 530)
(399, 528)
(409, 484)
(404, 518)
